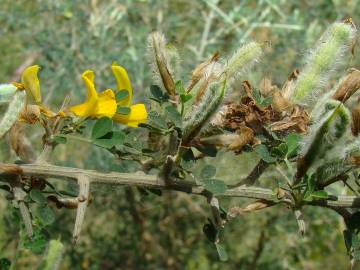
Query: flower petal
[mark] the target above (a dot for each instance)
(30, 80)
(88, 77)
(123, 83)
(137, 115)
(106, 104)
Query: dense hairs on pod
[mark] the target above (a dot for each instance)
(7, 92)
(16, 105)
(322, 61)
(325, 136)
(163, 59)
(243, 59)
(199, 115)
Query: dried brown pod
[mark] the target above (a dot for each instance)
(279, 102)
(297, 121)
(355, 125)
(258, 205)
(20, 144)
(200, 70)
(349, 84)
(266, 86)
(288, 87)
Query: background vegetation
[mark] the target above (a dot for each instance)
(124, 227)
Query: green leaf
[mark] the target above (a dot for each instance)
(5, 264)
(207, 172)
(214, 186)
(37, 243)
(101, 127)
(210, 231)
(123, 110)
(209, 150)
(59, 139)
(157, 94)
(280, 151)
(45, 215)
(221, 252)
(122, 94)
(157, 120)
(260, 100)
(111, 139)
(293, 143)
(37, 196)
(354, 222)
(264, 154)
(180, 87)
(173, 115)
(185, 98)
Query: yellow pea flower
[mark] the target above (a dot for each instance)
(31, 83)
(96, 105)
(137, 113)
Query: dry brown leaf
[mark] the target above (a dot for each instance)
(297, 122)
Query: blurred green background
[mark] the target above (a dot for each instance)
(125, 229)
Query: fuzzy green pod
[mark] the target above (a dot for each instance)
(201, 113)
(7, 92)
(11, 115)
(322, 61)
(243, 59)
(328, 134)
(53, 256)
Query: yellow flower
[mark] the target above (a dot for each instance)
(31, 83)
(137, 113)
(96, 105)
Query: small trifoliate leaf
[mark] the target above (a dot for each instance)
(173, 115)
(122, 94)
(264, 154)
(207, 172)
(214, 186)
(221, 252)
(45, 215)
(101, 127)
(123, 110)
(37, 196)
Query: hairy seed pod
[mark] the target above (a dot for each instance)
(243, 59)
(53, 256)
(348, 85)
(162, 56)
(323, 61)
(199, 115)
(7, 92)
(11, 115)
(326, 135)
